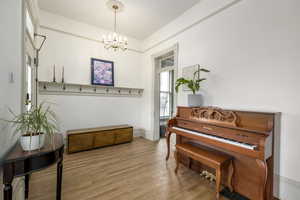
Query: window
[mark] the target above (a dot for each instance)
(167, 62)
(166, 94)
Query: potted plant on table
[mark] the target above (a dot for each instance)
(194, 85)
(34, 125)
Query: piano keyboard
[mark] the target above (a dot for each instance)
(221, 139)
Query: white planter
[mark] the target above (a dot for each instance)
(37, 142)
(195, 100)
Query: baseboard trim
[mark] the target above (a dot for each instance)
(285, 188)
(139, 133)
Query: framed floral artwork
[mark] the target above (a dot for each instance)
(102, 72)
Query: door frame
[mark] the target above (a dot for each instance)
(156, 86)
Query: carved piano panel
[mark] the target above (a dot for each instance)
(259, 122)
(214, 116)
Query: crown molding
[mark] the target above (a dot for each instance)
(81, 36)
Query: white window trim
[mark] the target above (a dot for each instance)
(154, 129)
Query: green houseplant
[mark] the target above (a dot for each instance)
(34, 125)
(194, 85)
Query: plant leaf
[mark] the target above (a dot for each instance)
(204, 70)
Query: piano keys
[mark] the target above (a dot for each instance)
(218, 138)
(247, 136)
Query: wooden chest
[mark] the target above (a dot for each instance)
(86, 139)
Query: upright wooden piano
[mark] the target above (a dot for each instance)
(246, 136)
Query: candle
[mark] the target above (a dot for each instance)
(54, 80)
(63, 75)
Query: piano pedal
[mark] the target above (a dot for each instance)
(211, 179)
(208, 176)
(204, 174)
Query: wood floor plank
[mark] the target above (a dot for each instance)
(133, 171)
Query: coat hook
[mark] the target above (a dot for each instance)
(45, 87)
(119, 91)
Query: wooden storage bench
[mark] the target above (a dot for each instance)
(86, 139)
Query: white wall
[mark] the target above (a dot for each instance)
(11, 62)
(252, 49)
(74, 53)
(11, 40)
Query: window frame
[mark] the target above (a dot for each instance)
(170, 92)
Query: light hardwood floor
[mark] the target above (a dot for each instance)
(133, 171)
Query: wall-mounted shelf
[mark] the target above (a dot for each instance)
(54, 88)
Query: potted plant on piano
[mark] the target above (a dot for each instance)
(34, 125)
(194, 85)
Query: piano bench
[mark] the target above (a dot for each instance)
(209, 158)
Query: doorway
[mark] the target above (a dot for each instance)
(165, 98)
(29, 86)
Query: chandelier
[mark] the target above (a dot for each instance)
(115, 41)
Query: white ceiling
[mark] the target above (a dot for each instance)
(139, 19)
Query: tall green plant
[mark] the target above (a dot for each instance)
(193, 84)
(37, 120)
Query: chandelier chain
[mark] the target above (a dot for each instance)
(115, 28)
